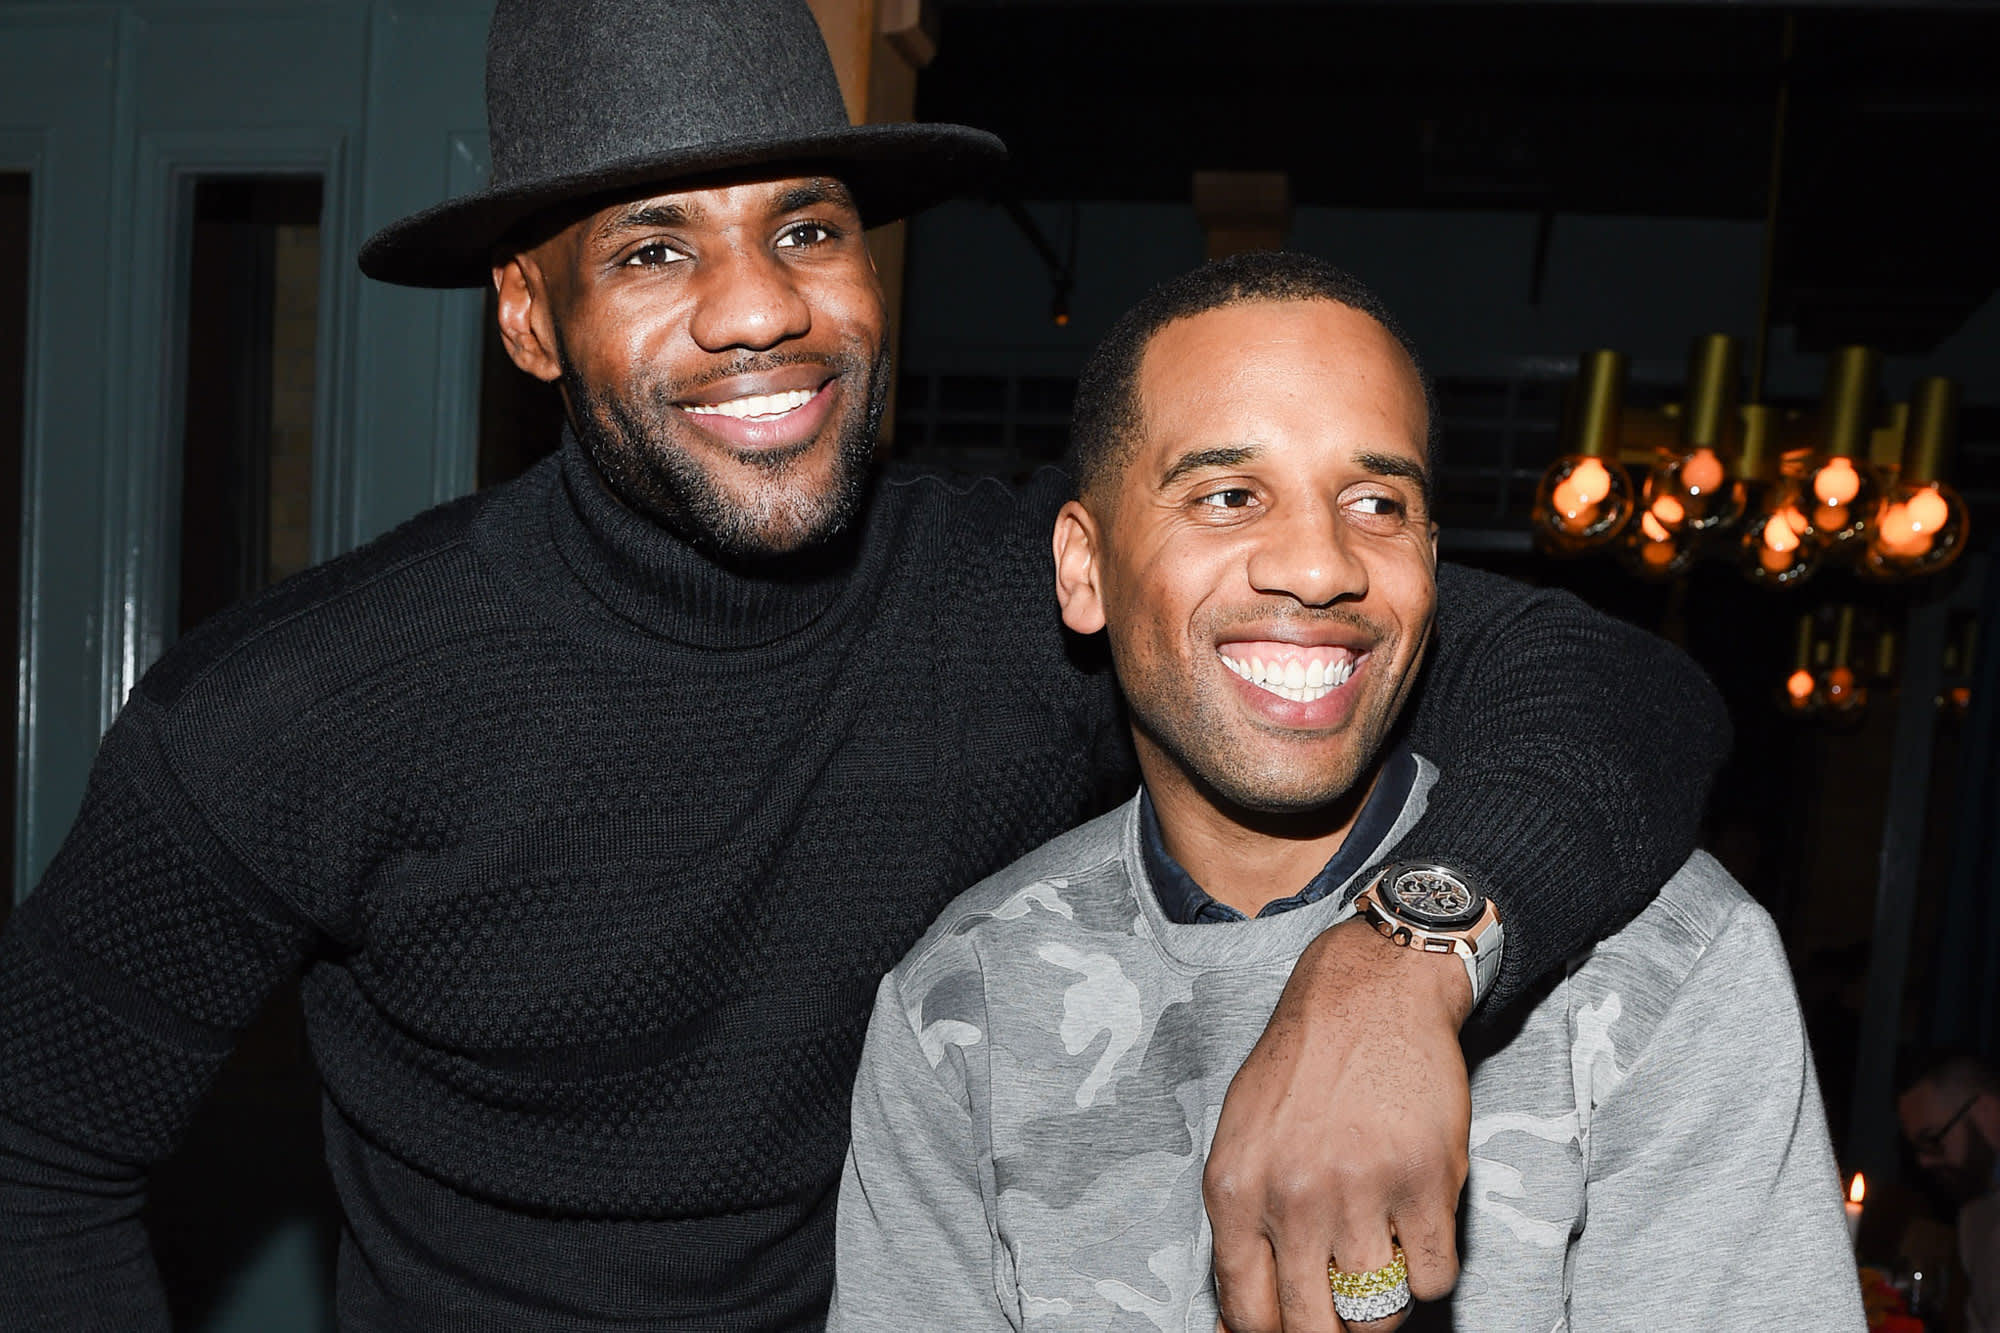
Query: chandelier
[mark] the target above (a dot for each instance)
(1779, 495)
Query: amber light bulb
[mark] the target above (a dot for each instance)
(1654, 550)
(1801, 692)
(1692, 489)
(1582, 491)
(1956, 700)
(1693, 492)
(1775, 549)
(1923, 524)
(1703, 471)
(1843, 493)
(1841, 690)
(1771, 549)
(1586, 497)
(1583, 502)
(1912, 519)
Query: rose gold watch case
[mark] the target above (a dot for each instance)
(1477, 944)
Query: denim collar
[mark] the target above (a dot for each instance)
(1185, 902)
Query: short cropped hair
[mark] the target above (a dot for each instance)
(1954, 1071)
(1105, 421)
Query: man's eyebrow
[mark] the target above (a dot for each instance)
(812, 193)
(1195, 460)
(643, 215)
(1395, 465)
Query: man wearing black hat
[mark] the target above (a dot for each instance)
(591, 809)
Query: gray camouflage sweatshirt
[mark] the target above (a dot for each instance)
(1044, 1071)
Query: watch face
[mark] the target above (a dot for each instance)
(1432, 898)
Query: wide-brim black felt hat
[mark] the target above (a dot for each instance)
(587, 98)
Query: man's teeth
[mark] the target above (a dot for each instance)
(1301, 682)
(754, 407)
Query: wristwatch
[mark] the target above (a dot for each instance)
(1422, 905)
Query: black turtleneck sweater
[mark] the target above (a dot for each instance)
(591, 854)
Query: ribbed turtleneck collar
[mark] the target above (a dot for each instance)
(650, 576)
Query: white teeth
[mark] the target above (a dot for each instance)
(1293, 680)
(754, 406)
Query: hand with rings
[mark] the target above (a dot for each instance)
(1375, 1294)
(1344, 1136)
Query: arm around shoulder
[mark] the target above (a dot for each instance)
(1575, 755)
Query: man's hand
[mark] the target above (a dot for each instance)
(1348, 1122)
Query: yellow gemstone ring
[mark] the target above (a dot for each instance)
(1375, 1294)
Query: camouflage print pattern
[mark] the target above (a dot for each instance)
(1045, 1069)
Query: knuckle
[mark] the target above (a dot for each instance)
(1233, 1270)
(1295, 1191)
(1305, 1311)
(1433, 1274)
(1239, 1319)
(1433, 1270)
(1431, 1290)
(1222, 1185)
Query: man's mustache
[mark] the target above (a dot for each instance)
(1287, 611)
(839, 362)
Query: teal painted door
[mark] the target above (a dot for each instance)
(115, 111)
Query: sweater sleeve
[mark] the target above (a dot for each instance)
(915, 1244)
(1712, 1200)
(1576, 754)
(125, 979)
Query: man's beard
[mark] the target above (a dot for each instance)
(1192, 723)
(1972, 1176)
(637, 448)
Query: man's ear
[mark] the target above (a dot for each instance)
(526, 326)
(1077, 572)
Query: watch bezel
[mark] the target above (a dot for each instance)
(1392, 901)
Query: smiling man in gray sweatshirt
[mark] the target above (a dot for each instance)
(1044, 1070)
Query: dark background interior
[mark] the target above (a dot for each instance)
(1881, 237)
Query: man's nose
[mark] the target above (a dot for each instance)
(1304, 552)
(746, 297)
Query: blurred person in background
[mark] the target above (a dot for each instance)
(1950, 1115)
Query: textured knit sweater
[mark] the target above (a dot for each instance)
(591, 852)
(1045, 1069)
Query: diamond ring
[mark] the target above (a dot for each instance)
(1375, 1294)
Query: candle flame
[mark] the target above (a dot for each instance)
(1702, 472)
(1858, 1190)
(1902, 533)
(1928, 510)
(1591, 479)
(1837, 483)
